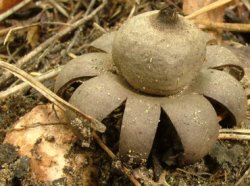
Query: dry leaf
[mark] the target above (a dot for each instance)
(7, 4)
(33, 36)
(189, 6)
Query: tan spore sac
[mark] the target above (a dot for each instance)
(155, 56)
(46, 140)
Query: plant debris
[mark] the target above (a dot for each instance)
(42, 36)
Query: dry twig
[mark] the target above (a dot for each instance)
(224, 26)
(90, 7)
(74, 40)
(80, 29)
(239, 131)
(59, 8)
(234, 134)
(75, 9)
(24, 85)
(223, 136)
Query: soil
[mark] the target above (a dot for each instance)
(226, 163)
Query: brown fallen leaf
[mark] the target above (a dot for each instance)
(216, 15)
(33, 36)
(7, 4)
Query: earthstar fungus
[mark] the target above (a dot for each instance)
(156, 63)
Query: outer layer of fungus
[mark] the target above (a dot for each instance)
(175, 53)
(221, 58)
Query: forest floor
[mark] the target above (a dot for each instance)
(228, 163)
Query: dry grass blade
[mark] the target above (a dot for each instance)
(233, 137)
(59, 8)
(234, 134)
(95, 124)
(224, 26)
(207, 8)
(240, 131)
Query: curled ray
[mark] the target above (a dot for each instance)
(224, 89)
(195, 122)
(87, 65)
(139, 125)
(104, 42)
(242, 52)
(100, 95)
(221, 58)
